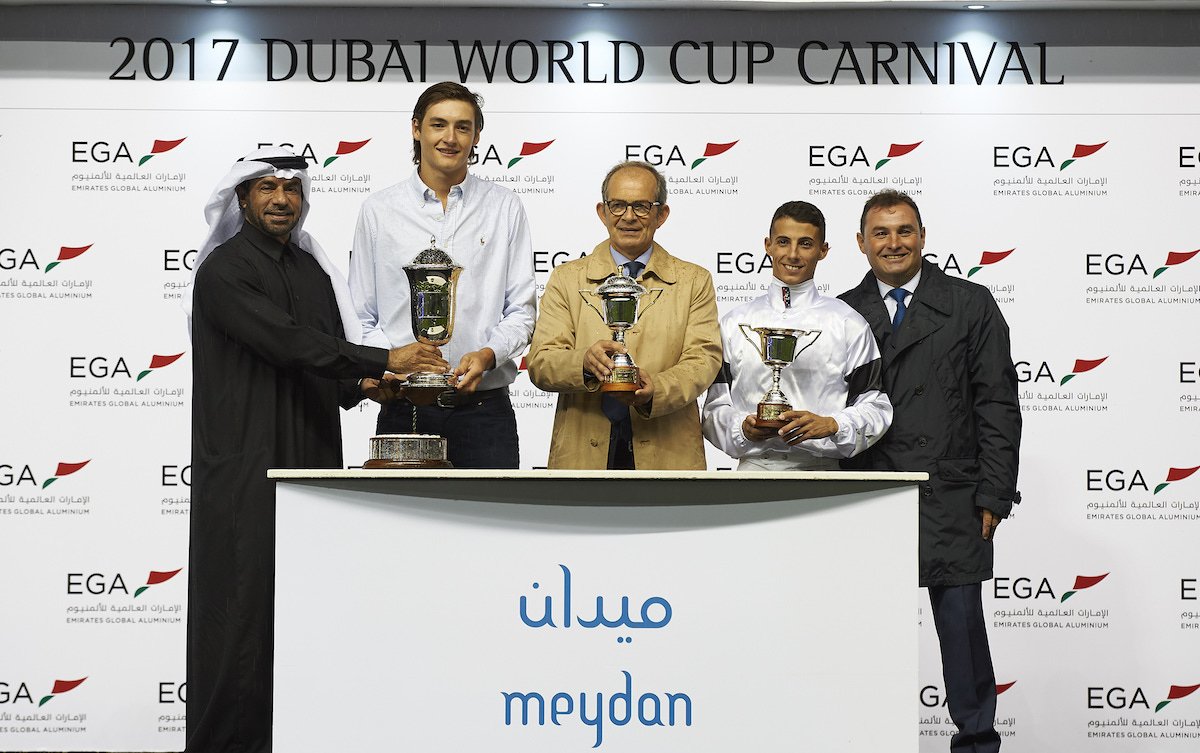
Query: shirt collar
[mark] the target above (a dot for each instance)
(910, 286)
(265, 243)
(620, 260)
(802, 295)
(423, 194)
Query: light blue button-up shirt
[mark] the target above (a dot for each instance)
(484, 229)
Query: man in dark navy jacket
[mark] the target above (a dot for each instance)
(948, 370)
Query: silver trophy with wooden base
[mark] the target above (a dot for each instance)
(621, 298)
(778, 348)
(432, 281)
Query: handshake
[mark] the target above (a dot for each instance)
(386, 389)
(421, 357)
(392, 387)
(401, 362)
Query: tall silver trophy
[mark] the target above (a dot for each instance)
(778, 348)
(432, 281)
(621, 298)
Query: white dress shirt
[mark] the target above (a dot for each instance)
(889, 302)
(484, 229)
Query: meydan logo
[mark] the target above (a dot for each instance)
(547, 618)
(651, 709)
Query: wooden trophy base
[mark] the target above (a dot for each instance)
(618, 387)
(622, 379)
(768, 415)
(374, 465)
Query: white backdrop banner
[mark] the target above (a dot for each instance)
(1054, 156)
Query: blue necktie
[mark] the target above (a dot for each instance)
(898, 294)
(633, 268)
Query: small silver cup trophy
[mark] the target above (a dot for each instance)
(778, 348)
(432, 281)
(621, 298)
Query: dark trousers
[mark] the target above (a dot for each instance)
(479, 434)
(966, 666)
(620, 446)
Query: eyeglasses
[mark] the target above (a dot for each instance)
(617, 208)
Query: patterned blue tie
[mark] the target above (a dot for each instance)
(898, 294)
(633, 268)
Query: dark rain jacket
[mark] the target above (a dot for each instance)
(949, 373)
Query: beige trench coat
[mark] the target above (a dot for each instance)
(677, 341)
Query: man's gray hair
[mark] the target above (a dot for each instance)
(660, 182)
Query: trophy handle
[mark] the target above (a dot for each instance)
(454, 273)
(584, 295)
(815, 333)
(657, 294)
(754, 344)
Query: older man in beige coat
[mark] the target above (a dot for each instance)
(676, 343)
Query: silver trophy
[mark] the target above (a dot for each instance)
(778, 348)
(432, 280)
(407, 451)
(621, 298)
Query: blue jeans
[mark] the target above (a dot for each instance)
(479, 434)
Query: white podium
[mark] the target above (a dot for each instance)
(572, 611)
